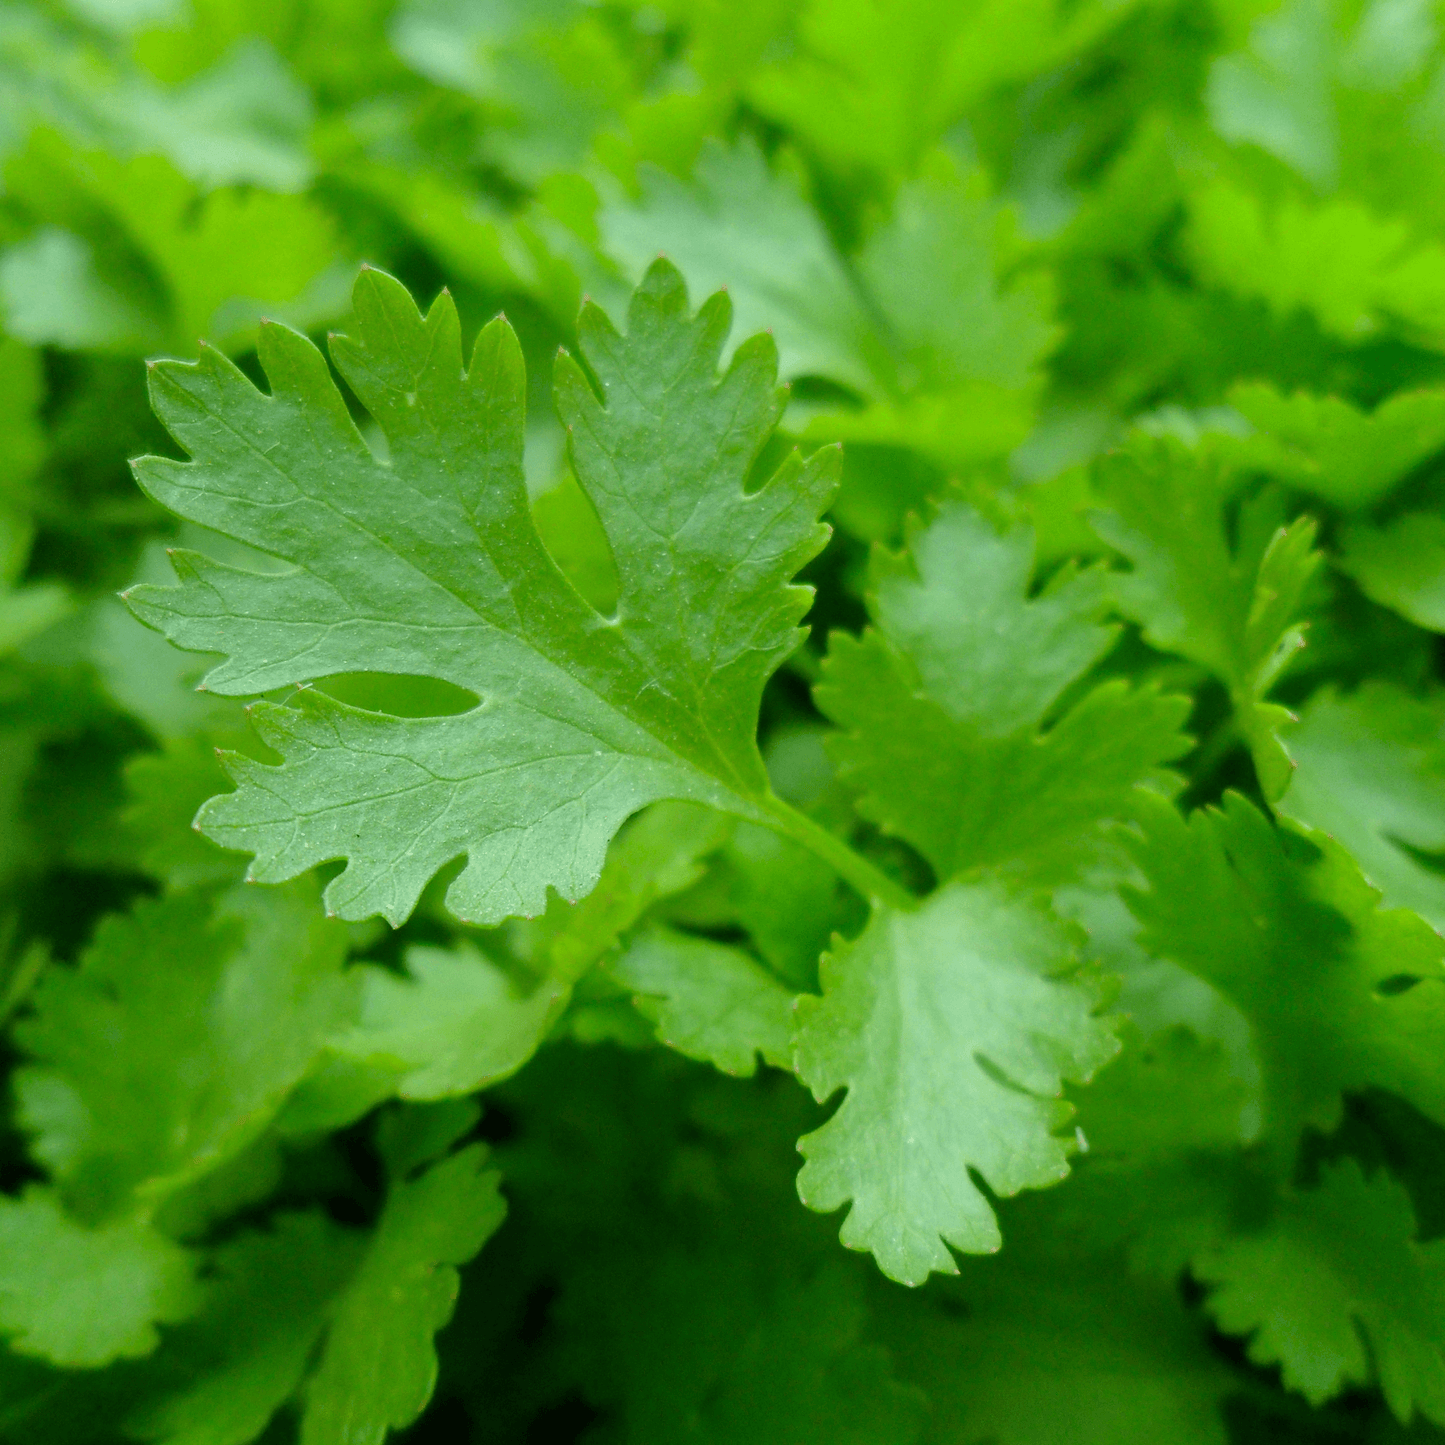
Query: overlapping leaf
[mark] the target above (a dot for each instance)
(945, 701)
(1335, 1290)
(1231, 608)
(1341, 994)
(176, 1041)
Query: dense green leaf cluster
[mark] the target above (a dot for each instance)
(857, 579)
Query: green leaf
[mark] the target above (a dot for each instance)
(708, 1000)
(659, 853)
(1231, 608)
(802, 1373)
(81, 1297)
(176, 1040)
(455, 1023)
(942, 347)
(1401, 564)
(1358, 275)
(872, 86)
(1335, 1290)
(1370, 773)
(1340, 994)
(405, 568)
(164, 791)
(953, 1029)
(1347, 456)
(966, 343)
(944, 702)
(128, 255)
(379, 1366)
(246, 1352)
(1033, 1348)
(740, 226)
(1279, 93)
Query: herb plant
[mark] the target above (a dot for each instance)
(901, 546)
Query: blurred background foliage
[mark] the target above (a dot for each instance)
(990, 237)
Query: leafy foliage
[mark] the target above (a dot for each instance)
(1030, 811)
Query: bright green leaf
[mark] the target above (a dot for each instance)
(82, 1297)
(1370, 773)
(953, 1029)
(454, 1024)
(708, 1000)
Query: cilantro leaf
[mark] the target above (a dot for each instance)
(740, 226)
(1335, 1289)
(1347, 456)
(166, 263)
(454, 1024)
(379, 1366)
(1401, 564)
(941, 343)
(708, 1001)
(953, 1029)
(1232, 609)
(408, 568)
(1357, 274)
(872, 87)
(946, 696)
(176, 1040)
(1035, 1347)
(1340, 994)
(81, 1297)
(1370, 772)
(246, 1351)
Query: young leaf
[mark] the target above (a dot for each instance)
(953, 1029)
(1335, 1289)
(944, 700)
(430, 565)
(739, 226)
(709, 1001)
(1232, 609)
(81, 1297)
(379, 1366)
(1333, 449)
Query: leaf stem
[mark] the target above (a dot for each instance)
(870, 880)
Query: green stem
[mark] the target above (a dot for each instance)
(870, 880)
